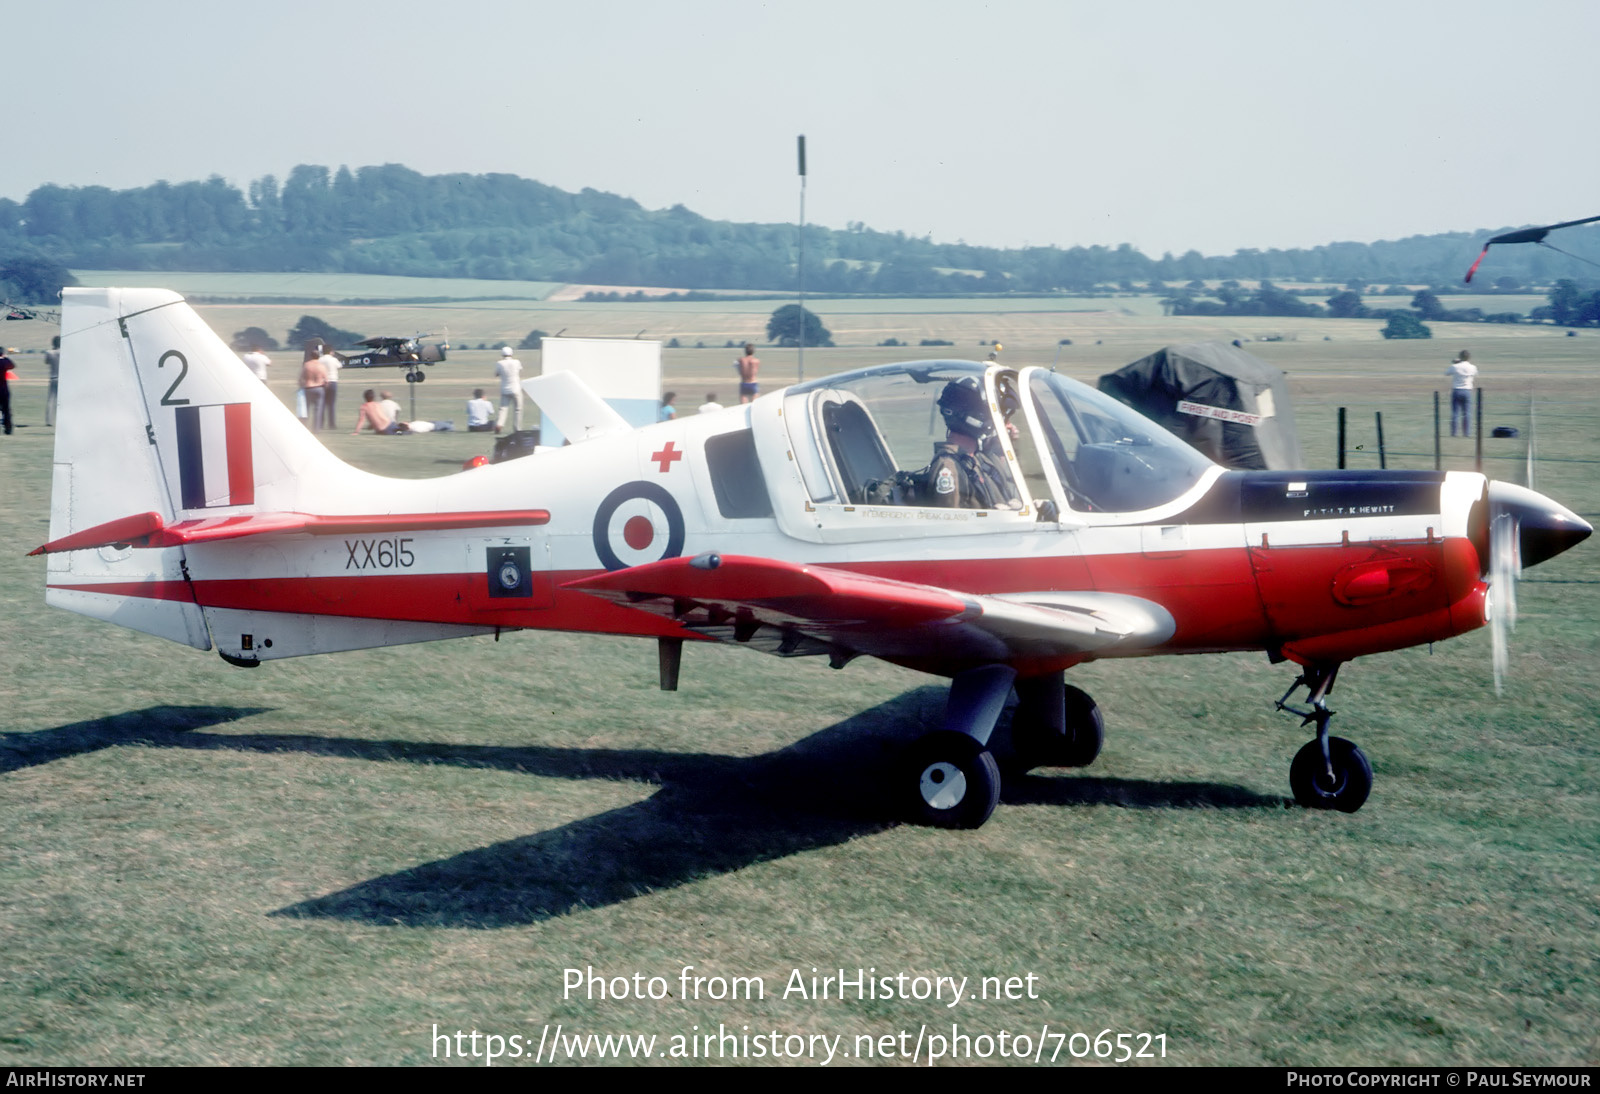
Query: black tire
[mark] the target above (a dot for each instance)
(950, 781)
(1352, 776)
(1038, 744)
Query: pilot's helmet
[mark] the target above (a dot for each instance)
(962, 404)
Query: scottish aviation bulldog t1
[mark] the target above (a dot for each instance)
(838, 518)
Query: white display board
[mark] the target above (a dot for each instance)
(625, 372)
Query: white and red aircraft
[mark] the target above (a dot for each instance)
(190, 504)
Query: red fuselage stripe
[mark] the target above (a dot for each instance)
(1222, 599)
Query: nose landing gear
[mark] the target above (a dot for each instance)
(1328, 772)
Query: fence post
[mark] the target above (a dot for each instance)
(1383, 459)
(1479, 466)
(1439, 459)
(1341, 438)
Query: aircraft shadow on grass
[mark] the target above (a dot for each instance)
(156, 726)
(713, 814)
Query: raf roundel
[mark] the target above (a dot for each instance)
(637, 523)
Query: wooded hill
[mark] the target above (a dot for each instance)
(394, 220)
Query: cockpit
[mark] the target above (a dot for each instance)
(950, 443)
(957, 434)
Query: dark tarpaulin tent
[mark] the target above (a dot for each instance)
(1227, 403)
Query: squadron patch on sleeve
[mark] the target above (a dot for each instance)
(945, 483)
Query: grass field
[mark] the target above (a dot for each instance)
(321, 860)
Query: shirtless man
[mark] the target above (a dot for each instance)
(313, 381)
(372, 413)
(748, 365)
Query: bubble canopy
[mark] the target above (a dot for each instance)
(1044, 436)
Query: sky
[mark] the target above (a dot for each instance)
(1167, 125)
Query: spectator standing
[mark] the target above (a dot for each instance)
(1462, 373)
(509, 370)
(749, 367)
(313, 381)
(330, 397)
(258, 362)
(52, 360)
(6, 365)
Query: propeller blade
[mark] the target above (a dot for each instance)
(1525, 529)
(1504, 569)
(1532, 442)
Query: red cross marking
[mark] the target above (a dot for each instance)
(666, 456)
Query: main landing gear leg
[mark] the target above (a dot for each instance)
(1055, 724)
(950, 778)
(1329, 772)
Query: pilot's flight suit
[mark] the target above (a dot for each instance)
(957, 480)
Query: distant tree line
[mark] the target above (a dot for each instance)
(391, 219)
(1567, 301)
(28, 279)
(1571, 305)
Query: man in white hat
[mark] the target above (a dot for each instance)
(510, 372)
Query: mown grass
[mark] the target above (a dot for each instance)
(316, 861)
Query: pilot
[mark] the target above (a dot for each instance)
(958, 478)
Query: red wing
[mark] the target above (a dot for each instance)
(815, 609)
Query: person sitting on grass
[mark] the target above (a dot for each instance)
(372, 413)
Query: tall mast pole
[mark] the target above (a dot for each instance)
(800, 267)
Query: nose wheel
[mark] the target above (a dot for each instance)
(1341, 781)
(1328, 772)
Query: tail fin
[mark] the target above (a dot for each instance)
(158, 416)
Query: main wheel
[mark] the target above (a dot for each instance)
(1352, 776)
(1039, 744)
(950, 781)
